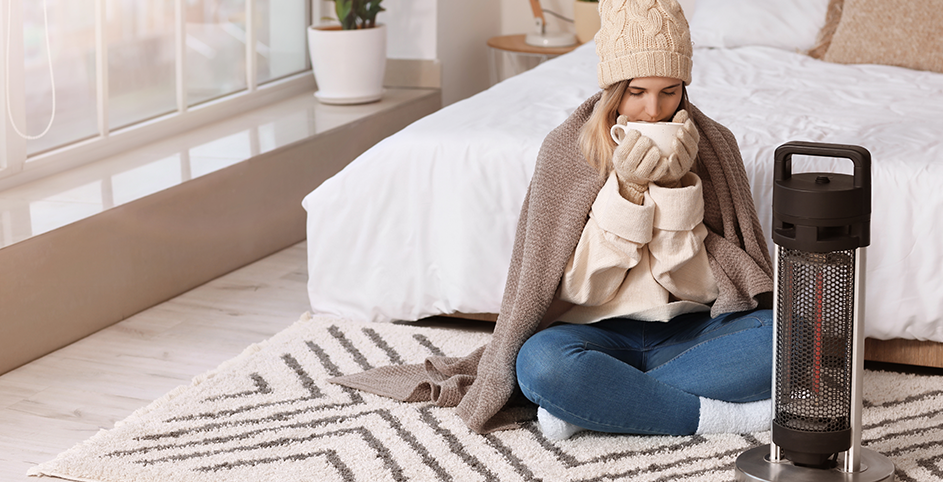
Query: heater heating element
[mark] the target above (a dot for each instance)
(814, 354)
(821, 228)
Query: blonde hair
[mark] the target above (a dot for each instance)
(594, 140)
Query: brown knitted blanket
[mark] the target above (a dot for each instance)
(483, 384)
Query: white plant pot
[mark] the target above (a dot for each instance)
(348, 65)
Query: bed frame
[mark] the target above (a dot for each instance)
(898, 350)
(906, 352)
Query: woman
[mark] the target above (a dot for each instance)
(642, 352)
(617, 369)
(723, 272)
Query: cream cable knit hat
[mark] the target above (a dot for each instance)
(642, 38)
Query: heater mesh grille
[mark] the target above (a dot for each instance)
(815, 311)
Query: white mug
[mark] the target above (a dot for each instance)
(662, 133)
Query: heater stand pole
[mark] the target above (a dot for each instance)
(775, 454)
(853, 456)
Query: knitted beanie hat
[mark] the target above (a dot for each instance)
(642, 38)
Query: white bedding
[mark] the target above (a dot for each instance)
(423, 223)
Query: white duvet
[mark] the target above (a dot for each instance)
(423, 223)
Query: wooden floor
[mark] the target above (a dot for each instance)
(51, 404)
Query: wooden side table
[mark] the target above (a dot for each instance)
(515, 45)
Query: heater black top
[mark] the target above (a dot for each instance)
(821, 212)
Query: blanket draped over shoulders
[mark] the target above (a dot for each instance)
(483, 385)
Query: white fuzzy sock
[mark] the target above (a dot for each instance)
(728, 417)
(554, 428)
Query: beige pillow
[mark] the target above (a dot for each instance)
(824, 39)
(906, 33)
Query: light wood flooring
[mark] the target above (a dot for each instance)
(51, 404)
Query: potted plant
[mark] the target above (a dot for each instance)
(586, 19)
(349, 60)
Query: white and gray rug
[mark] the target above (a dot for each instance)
(269, 415)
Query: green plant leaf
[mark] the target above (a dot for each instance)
(346, 13)
(362, 12)
(372, 9)
(350, 11)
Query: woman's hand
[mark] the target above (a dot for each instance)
(685, 151)
(637, 162)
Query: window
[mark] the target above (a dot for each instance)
(127, 72)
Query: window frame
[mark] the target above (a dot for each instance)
(14, 168)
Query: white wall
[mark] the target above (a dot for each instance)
(464, 28)
(517, 17)
(411, 28)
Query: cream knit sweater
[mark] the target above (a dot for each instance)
(646, 262)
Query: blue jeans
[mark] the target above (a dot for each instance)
(627, 376)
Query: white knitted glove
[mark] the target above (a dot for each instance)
(685, 150)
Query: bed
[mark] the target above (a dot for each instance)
(422, 224)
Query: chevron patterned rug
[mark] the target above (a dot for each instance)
(269, 415)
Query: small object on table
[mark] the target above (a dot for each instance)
(516, 46)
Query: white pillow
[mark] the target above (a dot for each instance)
(786, 24)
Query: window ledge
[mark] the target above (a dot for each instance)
(86, 248)
(55, 201)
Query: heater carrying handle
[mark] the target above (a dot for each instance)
(857, 154)
(820, 212)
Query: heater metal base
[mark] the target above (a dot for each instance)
(754, 465)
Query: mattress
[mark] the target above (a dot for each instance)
(423, 223)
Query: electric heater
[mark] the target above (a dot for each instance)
(821, 228)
